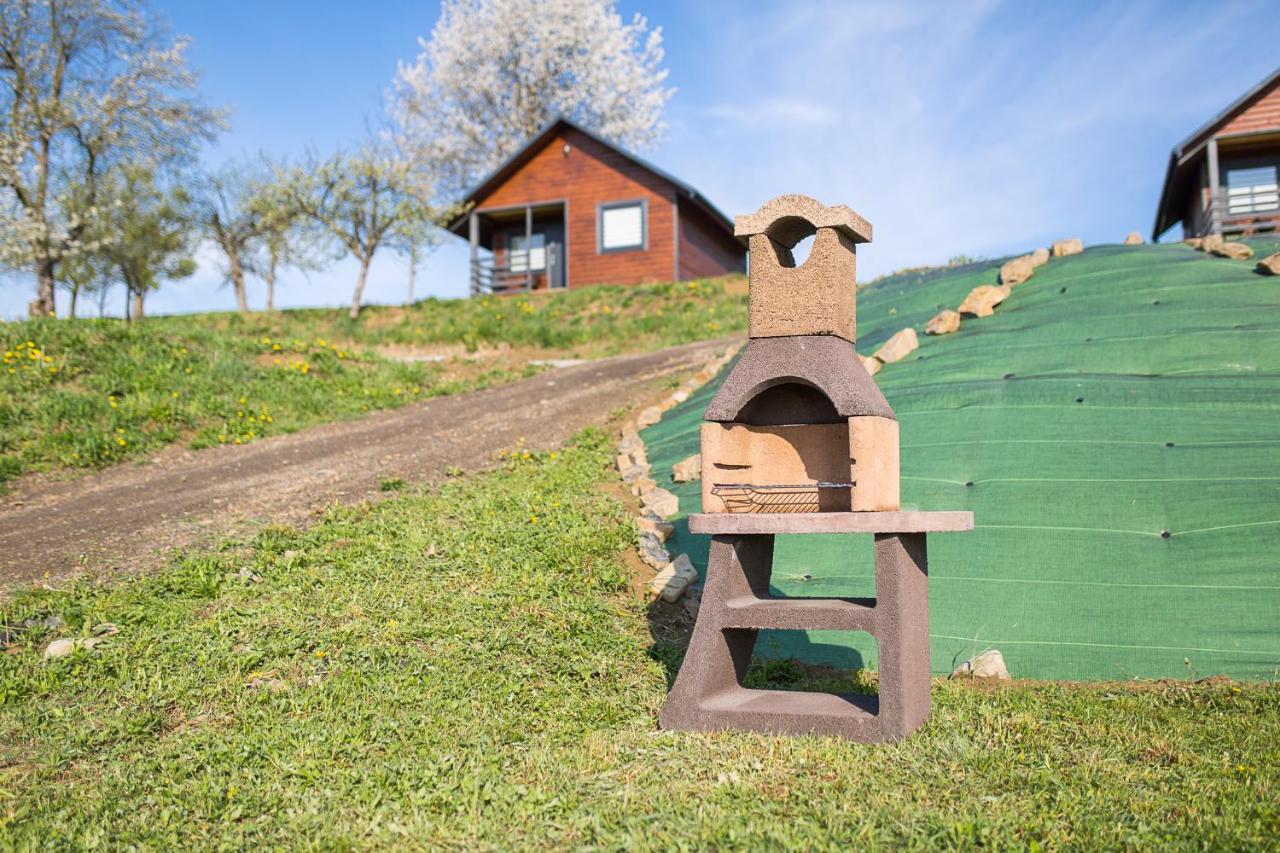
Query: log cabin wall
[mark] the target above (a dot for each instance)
(588, 175)
(705, 249)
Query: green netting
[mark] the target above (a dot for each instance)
(1115, 429)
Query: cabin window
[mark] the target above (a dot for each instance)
(622, 226)
(1252, 190)
(528, 253)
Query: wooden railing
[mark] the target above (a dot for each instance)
(1216, 218)
(511, 271)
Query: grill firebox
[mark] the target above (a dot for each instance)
(799, 439)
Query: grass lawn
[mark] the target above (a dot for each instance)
(91, 393)
(467, 669)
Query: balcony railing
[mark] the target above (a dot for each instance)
(1226, 214)
(518, 271)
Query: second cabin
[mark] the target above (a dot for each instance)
(571, 209)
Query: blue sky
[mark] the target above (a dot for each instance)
(981, 128)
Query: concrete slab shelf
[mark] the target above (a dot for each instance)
(725, 523)
(796, 614)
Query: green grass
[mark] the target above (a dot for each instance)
(464, 669)
(91, 393)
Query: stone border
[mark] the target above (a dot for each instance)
(672, 575)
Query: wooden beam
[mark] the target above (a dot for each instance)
(528, 247)
(1215, 222)
(474, 226)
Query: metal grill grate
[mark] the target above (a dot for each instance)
(774, 497)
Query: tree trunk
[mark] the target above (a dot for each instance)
(75, 295)
(237, 284)
(271, 283)
(44, 304)
(359, 294)
(137, 304)
(413, 272)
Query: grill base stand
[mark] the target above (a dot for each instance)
(708, 694)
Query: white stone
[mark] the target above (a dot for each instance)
(672, 581)
(64, 647)
(989, 664)
(660, 501)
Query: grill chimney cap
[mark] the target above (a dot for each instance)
(788, 219)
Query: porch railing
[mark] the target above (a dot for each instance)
(1218, 217)
(517, 271)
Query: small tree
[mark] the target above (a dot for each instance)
(496, 71)
(231, 222)
(362, 201)
(85, 85)
(287, 237)
(413, 239)
(153, 233)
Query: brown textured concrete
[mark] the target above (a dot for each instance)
(773, 366)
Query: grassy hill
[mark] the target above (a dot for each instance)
(91, 393)
(1115, 428)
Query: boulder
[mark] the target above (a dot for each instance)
(630, 439)
(1210, 242)
(1193, 242)
(642, 485)
(1062, 248)
(898, 347)
(660, 501)
(674, 579)
(687, 469)
(1234, 251)
(1133, 238)
(872, 365)
(1270, 265)
(989, 664)
(648, 417)
(944, 322)
(983, 299)
(653, 524)
(62, 648)
(1016, 271)
(635, 473)
(679, 396)
(1038, 257)
(652, 552)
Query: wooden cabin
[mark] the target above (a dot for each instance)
(1222, 179)
(571, 209)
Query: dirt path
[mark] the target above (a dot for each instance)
(128, 517)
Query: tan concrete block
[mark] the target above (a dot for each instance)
(1038, 257)
(983, 299)
(1016, 271)
(802, 454)
(944, 322)
(873, 463)
(1062, 248)
(816, 298)
(903, 343)
(790, 218)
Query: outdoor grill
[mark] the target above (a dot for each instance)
(799, 439)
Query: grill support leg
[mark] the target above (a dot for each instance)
(708, 694)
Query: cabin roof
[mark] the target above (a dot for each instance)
(1186, 155)
(495, 178)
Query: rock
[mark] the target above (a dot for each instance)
(1210, 242)
(652, 552)
(648, 417)
(642, 485)
(1133, 238)
(1062, 248)
(660, 501)
(898, 347)
(1270, 265)
(989, 664)
(674, 579)
(106, 629)
(64, 647)
(634, 473)
(1038, 257)
(687, 469)
(944, 322)
(630, 440)
(680, 396)
(692, 600)
(653, 524)
(1016, 271)
(1234, 251)
(983, 299)
(624, 461)
(1193, 242)
(272, 685)
(872, 364)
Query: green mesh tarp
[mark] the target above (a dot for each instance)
(1115, 429)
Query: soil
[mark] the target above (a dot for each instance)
(131, 517)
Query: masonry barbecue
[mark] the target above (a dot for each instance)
(799, 439)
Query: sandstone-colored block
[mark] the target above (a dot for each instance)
(648, 417)
(1038, 257)
(944, 322)
(873, 464)
(1209, 242)
(816, 298)
(660, 501)
(687, 469)
(802, 454)
(671, 582)
(1016, 271)
(1193, 242)
(652, 523)
(983, 299)
(1062, 248)
(871, 363)
(903, 343)
(1234, 251)
(1133, 238)
(1270, 265)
